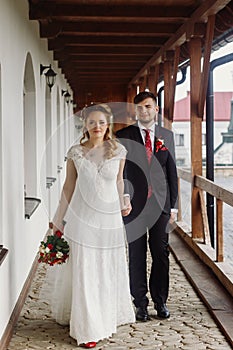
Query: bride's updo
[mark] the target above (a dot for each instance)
(110, 144)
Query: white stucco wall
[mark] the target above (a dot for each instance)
(19, 37)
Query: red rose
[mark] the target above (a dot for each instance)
(160, 145)
(58, 234)
(50, 246)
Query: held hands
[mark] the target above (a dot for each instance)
(173, 217)
(126, 206)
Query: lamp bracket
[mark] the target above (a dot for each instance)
(42, 68)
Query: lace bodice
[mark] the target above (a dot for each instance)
(95, 202)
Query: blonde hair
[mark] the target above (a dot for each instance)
(110, 144)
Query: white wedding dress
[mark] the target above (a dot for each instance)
(91, 291)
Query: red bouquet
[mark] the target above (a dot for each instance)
(55, 250)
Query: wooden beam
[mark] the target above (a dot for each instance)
(206, 9)
(109, 59)
(105, 50)
(50, 30)
(63, 41)
(63, 56)
(151, 13)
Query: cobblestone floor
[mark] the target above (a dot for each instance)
(189, 327)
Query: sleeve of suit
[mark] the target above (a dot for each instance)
(172, 174)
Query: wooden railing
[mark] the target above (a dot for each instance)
(221, 195)
(209, 255)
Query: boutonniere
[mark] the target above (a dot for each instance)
(159, 145)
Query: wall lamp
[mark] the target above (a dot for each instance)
(30, 205)
(66, 95)
(50, 75)
(49, 181)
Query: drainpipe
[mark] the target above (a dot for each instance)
(210, 140)
(183, 71)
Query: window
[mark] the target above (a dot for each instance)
(179, 139)
(180, 162)
(203, 138)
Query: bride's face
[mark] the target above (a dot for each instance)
(96, 124)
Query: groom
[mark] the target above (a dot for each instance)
(151, 176)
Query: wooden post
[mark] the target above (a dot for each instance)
(142, 84)
(206, 64)
(219, 230)
(168, 67)
(132, 91)
(129, 100)
(152, 84)
(179, 215)
(173, 83)
(196, 132)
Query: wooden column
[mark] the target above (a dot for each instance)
(142, 84)
(196, 132)
(152, 83)
(129, 100)
(219, 230)
(168, 69)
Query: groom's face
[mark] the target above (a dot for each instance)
(146, 111)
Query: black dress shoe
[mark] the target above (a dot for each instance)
(162, 310)
(142, 314)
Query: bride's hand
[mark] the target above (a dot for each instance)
(56, 228)
(127, 209)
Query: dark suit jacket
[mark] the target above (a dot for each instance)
(161, 173)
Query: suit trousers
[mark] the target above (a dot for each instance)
(159, 274)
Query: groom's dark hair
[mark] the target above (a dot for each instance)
(143, 95)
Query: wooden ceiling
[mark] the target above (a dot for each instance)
(103, 45)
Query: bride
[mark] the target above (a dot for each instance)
(91, 292)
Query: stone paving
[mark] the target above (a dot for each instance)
(189, 327)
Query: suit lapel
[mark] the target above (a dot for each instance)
(137, 134)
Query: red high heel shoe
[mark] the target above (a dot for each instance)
(90, 345)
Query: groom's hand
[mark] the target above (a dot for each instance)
(173, 217)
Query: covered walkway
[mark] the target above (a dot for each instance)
(103, 53)
(191, 325)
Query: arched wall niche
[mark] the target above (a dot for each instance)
(30, 141)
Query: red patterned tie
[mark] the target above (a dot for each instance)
(148, 146)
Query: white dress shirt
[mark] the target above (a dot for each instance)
(151, 130)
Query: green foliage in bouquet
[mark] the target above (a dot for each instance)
(55, 250)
